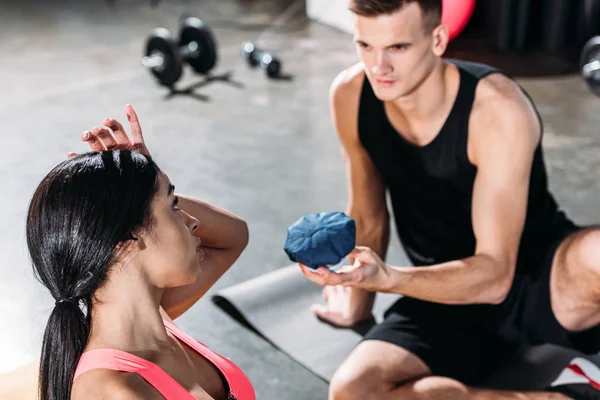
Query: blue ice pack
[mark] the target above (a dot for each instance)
(321, 240)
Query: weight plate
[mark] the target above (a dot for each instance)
(273, 69)
(590, 53)
(161, 41)
(195, 30)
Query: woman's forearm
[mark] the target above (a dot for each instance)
(218, 228)
(224, 236)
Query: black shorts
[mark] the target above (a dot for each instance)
(467, 342)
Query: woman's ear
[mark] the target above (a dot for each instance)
(127, 242)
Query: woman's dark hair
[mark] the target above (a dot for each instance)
(81, 211)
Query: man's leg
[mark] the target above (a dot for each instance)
(425, 351)
(380, 370)
(373, 370)
(571, 289)
(575, 281)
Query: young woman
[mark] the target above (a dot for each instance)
(123, 256)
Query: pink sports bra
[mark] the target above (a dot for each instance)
(240, 387)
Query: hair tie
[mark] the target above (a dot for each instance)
(72, 301)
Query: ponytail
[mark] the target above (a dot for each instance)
(65, 339)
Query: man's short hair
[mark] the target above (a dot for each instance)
(431, 9)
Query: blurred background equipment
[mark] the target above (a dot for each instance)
(267, 61)
(263, 59)
(456, 14)
(558, 26)
(165, 57)
(590, 64)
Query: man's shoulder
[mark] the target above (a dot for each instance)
(348, 83)
(498, 89)
(344, 101)
(501, 98)
(502, 111)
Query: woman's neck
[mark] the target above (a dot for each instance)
(126, 315)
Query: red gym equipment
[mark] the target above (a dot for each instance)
(456, 14)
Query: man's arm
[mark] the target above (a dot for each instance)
(506, 134)
(224, 237)
(366, 191)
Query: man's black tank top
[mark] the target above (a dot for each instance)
(431, 186)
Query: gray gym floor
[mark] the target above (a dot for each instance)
(265, 151)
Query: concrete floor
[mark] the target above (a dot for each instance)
(265, 151)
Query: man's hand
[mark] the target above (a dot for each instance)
(340, 310)
(343, 309)
(112, 135)
(368, 272)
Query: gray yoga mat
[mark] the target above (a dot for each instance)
(276, 306)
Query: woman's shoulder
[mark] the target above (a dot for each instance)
(102, 383)
(109, 384)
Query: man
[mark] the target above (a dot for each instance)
(457, 146)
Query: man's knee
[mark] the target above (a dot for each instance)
(365, 385)
(436, 387)
(587, 250)
(577, 264)
(356, 382)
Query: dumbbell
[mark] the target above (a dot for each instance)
(265, 60)
(590, 64)
(164, 57)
